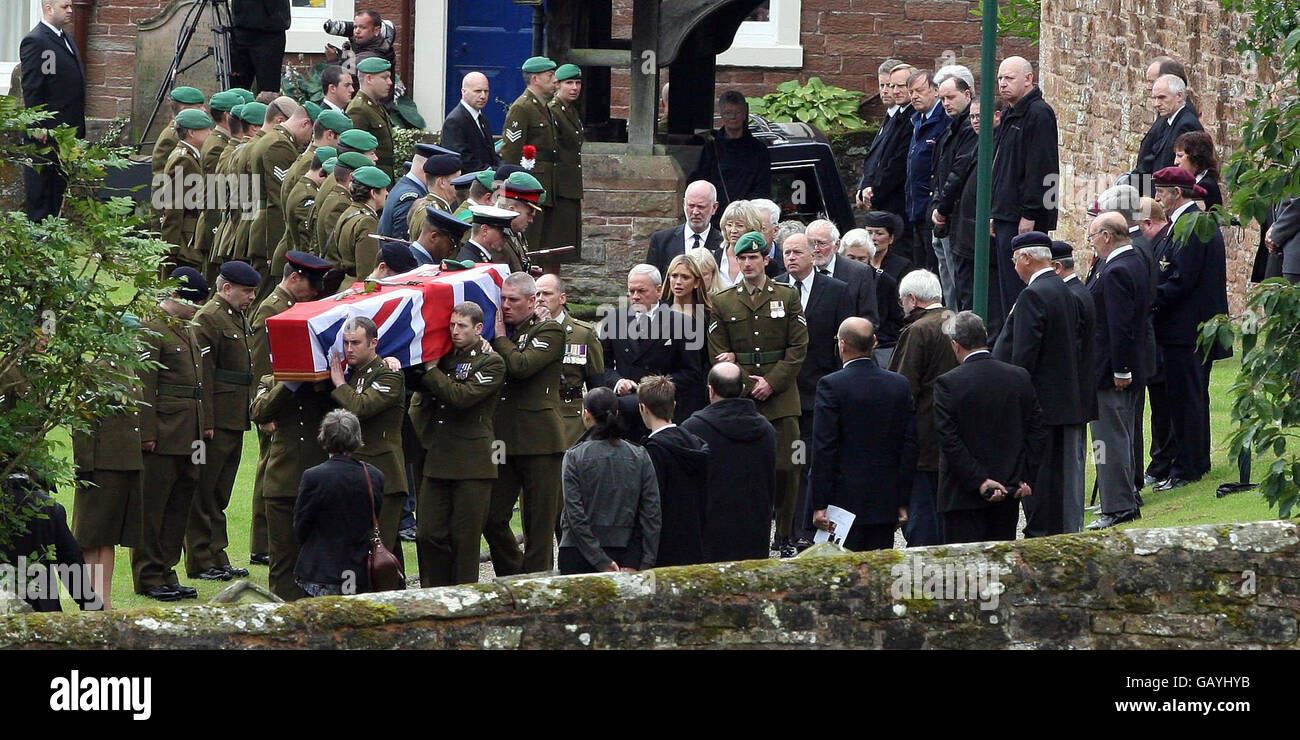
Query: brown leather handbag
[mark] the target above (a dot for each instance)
(383, 567)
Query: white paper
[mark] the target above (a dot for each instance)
(841, 523)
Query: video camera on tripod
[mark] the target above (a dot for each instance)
(220, 24)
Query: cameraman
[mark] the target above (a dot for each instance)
(257, 43)
(369, 36)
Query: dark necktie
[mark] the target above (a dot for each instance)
(483, 126)
(64, 38)
(696, 238)
(824, 271)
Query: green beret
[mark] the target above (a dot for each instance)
(188, 96)
(485, 179)
(335, 121)
(372, 177)
(362, 141)
(254, 113)
(225, 101)
(374, 65)
(751, 242)
(328, 165)
(354, 160)
(313, 110)
(235, 111)
(458, 265)
(533, 65)
(326, 152)
(193, 118)
(568, 72)
(524, 181)
(243, 94)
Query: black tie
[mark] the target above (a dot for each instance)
(824, 271)
(799, 284)
(696, 245)
(483, 125)
(64, 38)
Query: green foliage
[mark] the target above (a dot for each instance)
(304, 87)
(831, 109)
(66, 357)
(1016, 18)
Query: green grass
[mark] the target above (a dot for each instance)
(1193, 504)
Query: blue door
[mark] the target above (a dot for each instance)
(493, 37)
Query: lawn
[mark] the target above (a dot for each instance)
(1193, 504)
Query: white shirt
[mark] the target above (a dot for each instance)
(416, 245)
(688, 237)
(1068, 278)
(855, 359)
(1118, 251)
(474, 113)
(57, 32)
(330, 104)
(1170, 120)
(830, 264)
(660, 429)
(892, 110)
(976, 352)
(482, 249)
(1035, 276)
(1180, 210)
(723, 271)
(807, 288)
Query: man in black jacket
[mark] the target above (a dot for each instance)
(1063, 266)
(884, 173)
(737, 164)
(257, 43)
(824, 240)
(1122, 297)
(699, 204)
(990, 438)
(1026, 169)
(741, 477)
(1040, 335)
(864, 442)
(466, 129)
(954, 159)
(53, 76)
(1174, 117)
(681, 466)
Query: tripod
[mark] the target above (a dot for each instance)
(219, 51)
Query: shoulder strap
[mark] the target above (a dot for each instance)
(370, 490)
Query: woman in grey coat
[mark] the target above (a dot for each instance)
(611, 496)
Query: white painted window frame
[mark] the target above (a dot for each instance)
(771, 43)
(7, 65)
(306, 34)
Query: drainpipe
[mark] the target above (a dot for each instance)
(81, 10)
(408, 44)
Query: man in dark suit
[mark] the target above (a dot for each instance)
(1122, 297)
(699, 204)
(1040, 335)
(1063, 266)
(1190, 288)
(825, 306)
(864, 442)
(647, 338)
(53, 76)
(466, 129)
(824, 239)
(990, 438)
(1174, 117)
(884, 173)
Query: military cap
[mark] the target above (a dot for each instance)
(355, 160)
(534, 65)
(525, 187)
(1061, 251)
(450, 264)
(224, 101)
(240, 273)
(187, 96)
(361, 140)
(313, 110)
(397, 255)
(374, 65)
(492, 216)
(243, 94)
(464, 180)
(335, 121)
(326, 152)
(485, 178)
(328, 165)
(568, 72)
(751, 242)
(443, 221)
(193, 287)
(308, 265)
(372, 177)
(254, 113)
(885, 220)
(505, 171)
(193, 118)
(430, 150)
(1177, 177)
(1031, 239)
(237, 110)
(442, 164)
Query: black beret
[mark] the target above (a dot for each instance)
(193, 286)
(444, 221)
(397, 255)
(430, 150)
(885, 220)
(442, 164)
(240, 273)
(1031, 239)
(1061, 250)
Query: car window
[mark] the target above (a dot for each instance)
(796, 189)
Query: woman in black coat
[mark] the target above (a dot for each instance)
(332, 517)
(1194, 152)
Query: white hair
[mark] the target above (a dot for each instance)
(1038, 253)
(854, 238)
(959, 71)
(828, 225)
(773, 210)
(923, 285)
(1174, 83)
(705, 185)
(523, 282)
(788, 228)
(650, 270)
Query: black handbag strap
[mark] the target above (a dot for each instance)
(370, 494)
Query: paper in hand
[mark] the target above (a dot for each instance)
(841, 522)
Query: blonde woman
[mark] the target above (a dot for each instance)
(708, 266)
(740, 218)
(684, 287)
(685, 293)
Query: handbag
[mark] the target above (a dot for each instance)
(383, 567)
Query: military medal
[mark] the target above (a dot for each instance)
(1164, 265)
(462, 370)
(777, 309)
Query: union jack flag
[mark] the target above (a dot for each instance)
(412, 312)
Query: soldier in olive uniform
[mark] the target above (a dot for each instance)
(298, 207)
(481, 192)
(367, 110)
(171, 435)
(528, 424)
(182, 98)
(439, 171)
(377, 395)
(584, 359)
(564, 222)
(224, 337)
(523, 194)
(241, 166)
(179, 190)
(271, 159)
(326, 130)
(452, 507)
(351, 246)
(759, 325)
(529, 121)
(303, 279)
(224, 237)
(218, 141)
(335, 196)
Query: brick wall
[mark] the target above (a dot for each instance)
(1094, 57)
(844, 41)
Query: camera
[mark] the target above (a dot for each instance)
(344, 28)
